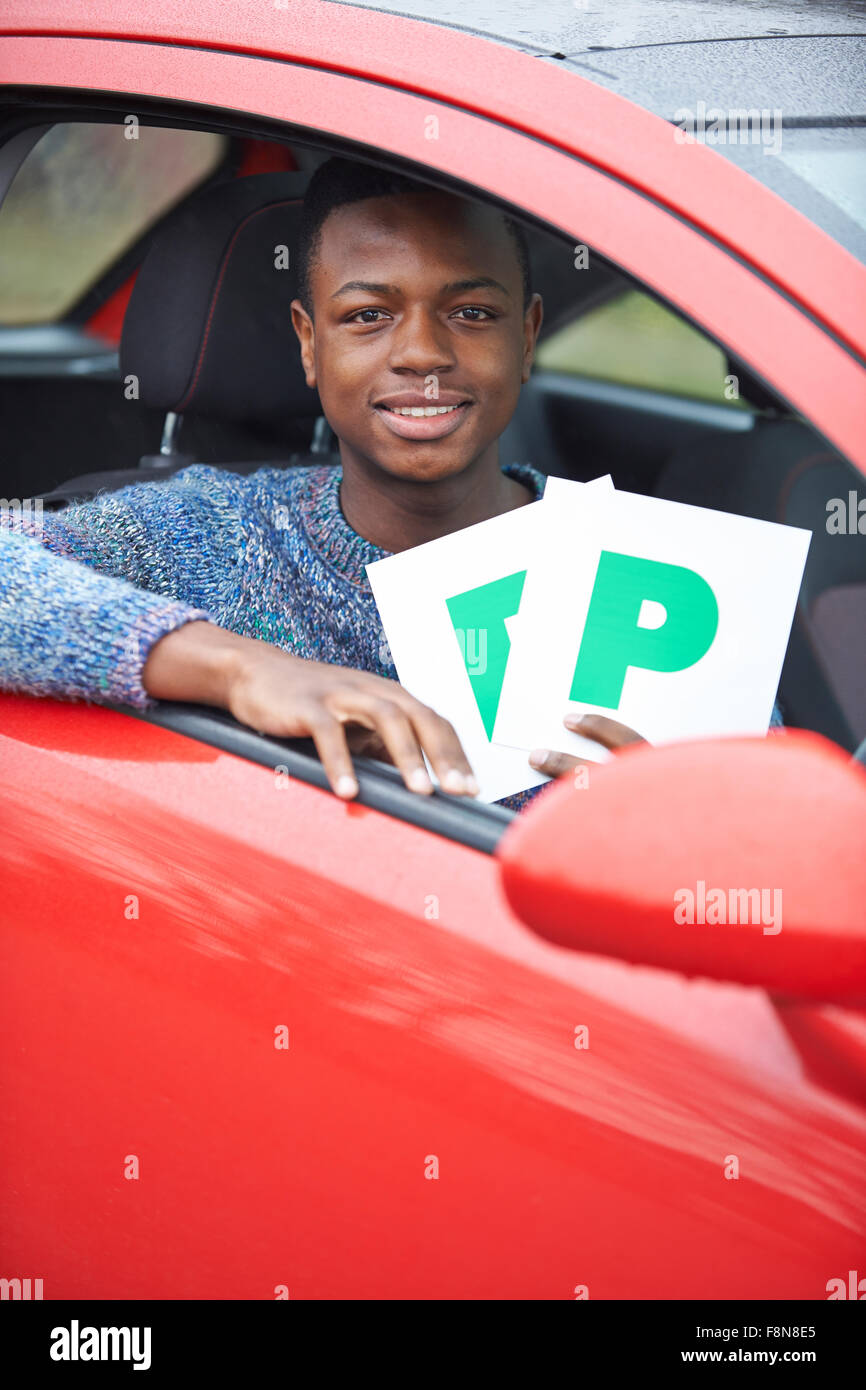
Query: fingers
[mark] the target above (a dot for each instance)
(366, 743)
(554, 764)
(398, 736)
(330, 740)
(395, 732)
(445, 751)
(322, 700)
(405, 726)
(608, 732)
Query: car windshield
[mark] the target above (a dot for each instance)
(818, 169)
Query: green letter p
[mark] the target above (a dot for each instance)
(612, 640)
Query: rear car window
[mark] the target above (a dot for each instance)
(83, 195)
(635, 341)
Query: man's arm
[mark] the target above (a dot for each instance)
(71, 628)
(85, 592)
(71, 633)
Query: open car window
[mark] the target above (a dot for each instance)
(611, 356)
(633, 340)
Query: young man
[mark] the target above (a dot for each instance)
(250, 593)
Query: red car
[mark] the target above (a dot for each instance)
(259, 1043)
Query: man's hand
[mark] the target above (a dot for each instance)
(277, 693)
(605, 731)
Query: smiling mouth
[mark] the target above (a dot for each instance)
(423, 422)
(416, 411)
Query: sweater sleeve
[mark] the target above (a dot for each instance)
(87, 591)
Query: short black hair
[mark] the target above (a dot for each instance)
(338, 182)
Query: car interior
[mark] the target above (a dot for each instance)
(180, 352)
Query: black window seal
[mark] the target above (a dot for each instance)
(381, 788)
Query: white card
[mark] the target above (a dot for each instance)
(669, 618)
(439, 631)
(554, 491)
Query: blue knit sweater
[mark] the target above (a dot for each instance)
(269, 555)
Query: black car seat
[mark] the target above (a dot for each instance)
(208, 328)
(782, 471)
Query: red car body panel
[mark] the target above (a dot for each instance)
(412, 1037)
(409, 1038)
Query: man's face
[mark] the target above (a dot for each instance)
(418, 304)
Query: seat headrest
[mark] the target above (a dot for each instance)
(208, 328)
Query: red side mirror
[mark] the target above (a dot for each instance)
(736, 859)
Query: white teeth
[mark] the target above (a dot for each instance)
(419, 410)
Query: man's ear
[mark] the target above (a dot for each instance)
(532, 321)
(303, 326)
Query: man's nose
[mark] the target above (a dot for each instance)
(421, 343)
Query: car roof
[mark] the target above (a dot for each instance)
(786, 67)
(805, 58)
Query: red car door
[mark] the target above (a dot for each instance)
(261, 1044)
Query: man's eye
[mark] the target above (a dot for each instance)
(357, 316)
(476, 309)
